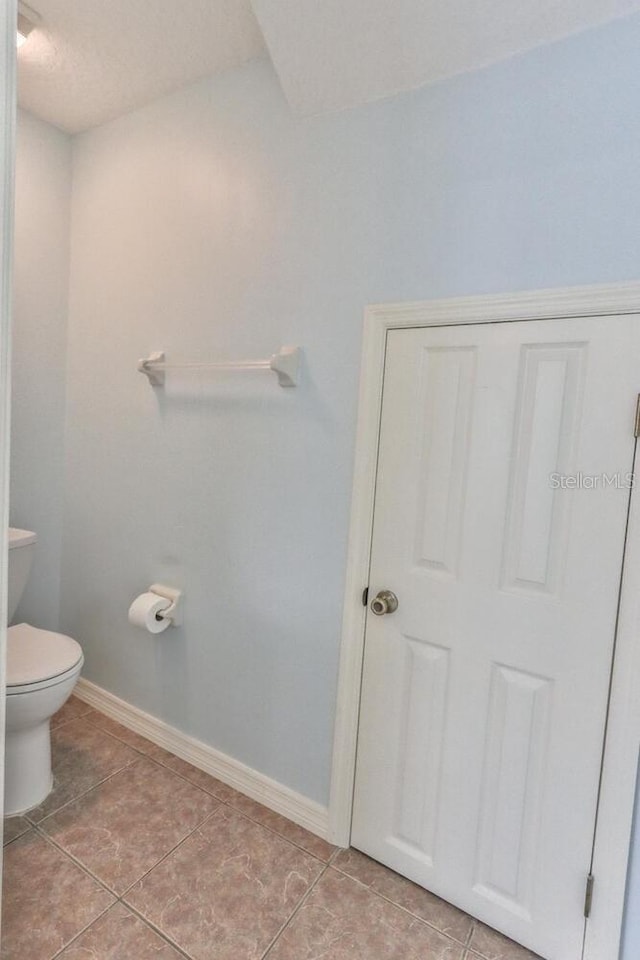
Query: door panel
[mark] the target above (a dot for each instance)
(423, 696)
(547, 422)
(448, 395)
(484, 695)
(513, 775)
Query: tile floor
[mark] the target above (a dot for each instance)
(136, 855)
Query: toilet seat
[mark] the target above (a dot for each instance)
(39, 658)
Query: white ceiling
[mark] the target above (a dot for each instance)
(338, 53)
(92, 60)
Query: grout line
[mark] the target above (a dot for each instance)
(99, 783)
(109, 733)
(83, 793)
(228, 803)
(293, 843)
(334, 856)
(330, 863)
(297, 909)
(156, 930)
(130, 906)
(473, 954)
(462, 943)
(474, 923)
(198, 826)
(209, 816)
(39, 827)
(80, 932)
(247, 816)
(126, 743)
(63, 723)
(113, 892)
(163, 763)
(77, 863)
(158, 761)
(7, 843)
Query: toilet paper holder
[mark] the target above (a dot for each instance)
(174, 612)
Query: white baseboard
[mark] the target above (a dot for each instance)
(303, 811)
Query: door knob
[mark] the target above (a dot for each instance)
(384, 602)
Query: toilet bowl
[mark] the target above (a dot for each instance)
(42, 670)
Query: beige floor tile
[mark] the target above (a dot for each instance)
(409, 895)
(286, 828)
(73, 709)
(82, 756)
(493, 946)
(123, 827)
(201, 779)
(14, 827)
(119, 935)
(47, 900)
(343, 920)
(227, 890)
(134, 740)
(255, 811)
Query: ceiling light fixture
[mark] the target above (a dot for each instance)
(27, 19)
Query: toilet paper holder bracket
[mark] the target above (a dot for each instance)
(174, 612)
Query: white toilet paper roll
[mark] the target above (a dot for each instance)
(144, 611)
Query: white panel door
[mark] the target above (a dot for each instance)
(501, 505)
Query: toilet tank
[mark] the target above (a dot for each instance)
(21, 550)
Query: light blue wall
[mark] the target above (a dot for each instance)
(214, 224)
(41, 280)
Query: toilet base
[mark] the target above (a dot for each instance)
(28, 778)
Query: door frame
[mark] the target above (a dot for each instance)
(615, 813)
(8, 14)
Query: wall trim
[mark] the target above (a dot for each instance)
(303, 811)
(615, 815)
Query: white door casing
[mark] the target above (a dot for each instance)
(7, 146)
(521, 690)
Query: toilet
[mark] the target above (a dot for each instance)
(42, 670)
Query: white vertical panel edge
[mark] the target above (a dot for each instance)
(353, 621)
(303, 811)
(623, 737)
(7, 150)
(615, 813)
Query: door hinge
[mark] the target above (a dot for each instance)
(365, 596)
(588, 895)
(636, 425)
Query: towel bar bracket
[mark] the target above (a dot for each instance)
(151, 369)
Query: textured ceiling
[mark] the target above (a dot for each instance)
(338, 53)
(91, 60)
